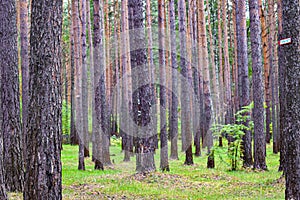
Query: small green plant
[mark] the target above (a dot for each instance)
(234, 133)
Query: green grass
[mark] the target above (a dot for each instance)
(182, 182)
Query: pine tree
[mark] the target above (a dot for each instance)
(43, 154)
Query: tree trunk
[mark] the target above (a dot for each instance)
(258, 110)
(3, 194)
(78, 84)
(244, 93)
(266, 68)
(186, 131)
(164, 163)
(24, 63)
(227, 76)
(11, 121)
(84, 92)
(291, 65)
(142, 96)
(98, 73)
(174, 107)
(220, 63)
(43, 164)
(206, 83)
(282, 98)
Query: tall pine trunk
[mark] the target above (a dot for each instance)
(10, 100)
(164, 163)
(98, 76)
(24, 63)
(244, 91)
(258, 110)
(174, 106)
(206, 83)
(43, 158)
(186, 131)
(142, 96)
(84, 91)
(291, 66)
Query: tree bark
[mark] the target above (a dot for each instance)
(186, 131)
(99, 81)
(164, 163)
(142, 96)
(266, 68)
(43, 158)
(291, 65)
(244, 98)
(24, 63)
(3, 194)
(206, 83)
(174, 106)
(258, 110)
(84, 92)
(11, 121)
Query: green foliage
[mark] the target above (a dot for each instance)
(66, 118)
(115, 141)
(234, 132)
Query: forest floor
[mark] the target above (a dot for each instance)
(182, 182)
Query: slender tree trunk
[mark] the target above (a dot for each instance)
(282, 98)
(85, 122)
(78, 84)
(227, 76)
(125, 109)
(73, 132)
(186, 131)
(258, 110)
(221, 71)
(11, 121)
(24, 63)
(43, 164)
(206, 83)
(164, 163)
(174, 107)
(291, 66)
(98, 73)
(215, 81)
(3, 194)
(266, 68)
(243, 76)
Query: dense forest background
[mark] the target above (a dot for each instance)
(161, 76)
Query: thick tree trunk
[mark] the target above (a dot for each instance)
(11, 121)
(174, 107)
(258, 110)
(291, 65)
(43, 161)
(142, 96)
(244, 93)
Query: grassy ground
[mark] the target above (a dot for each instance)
(182, 182)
